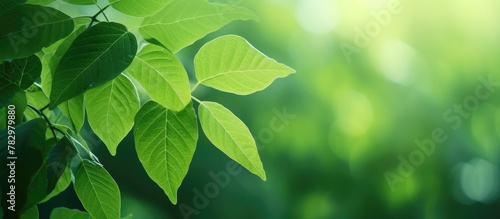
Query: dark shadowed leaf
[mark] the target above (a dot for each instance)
(26, 29)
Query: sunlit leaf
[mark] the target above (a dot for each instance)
(95, 57)
(231, 64)
(97, 190)
(136, 8)
(162, 76)
(74, 109)
(165, 142)
(60, 213)
(231, 136)
(111, 109)
(183, 22)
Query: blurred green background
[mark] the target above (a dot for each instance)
(373, 77)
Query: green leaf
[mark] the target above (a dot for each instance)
(31, 213)
(36, 97)
(40, 2)
(6, 5)
(26, 29)
(81, 2)
(231, 136)
(58, 156)
(58, 159)
(136, 8)
(20, 102)
(74, 109)
(231, 64)
(162, 76)
(29, 153)
(97, 190)
(21, 72)
(111, 109)
(96, 56)
(165, 142)
(65, 213)
(183, 22)
(52, 58)
(61, 185)
(7, 92)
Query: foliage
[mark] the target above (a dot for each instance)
(61, 72)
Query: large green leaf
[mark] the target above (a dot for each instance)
(111, 109)
(31, 213)
(96, 56)
(74, 109)
(26, 29)
(65, 213)
(6, 5)
(231, 64)
(162, 76)
(21, 72)
(51, 59)
(231, 136)
(136, 8)
(97, 190)
(29, 153)
(183, 22)
(165, 142)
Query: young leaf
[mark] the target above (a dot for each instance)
(231, 136)
(36, 97)
(59, 213)
(231, 64)
(26, 29)
(95, 57)
(75, 110)
(21, 72)
(111, 109)
(165, 142)
(97, 191)
(31, 213)
(162, 76)
(183, 22)
(136, 8)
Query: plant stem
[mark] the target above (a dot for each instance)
(106, 17)
(52, 128)
(194, 87)
(196, 99)
(94, 18)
